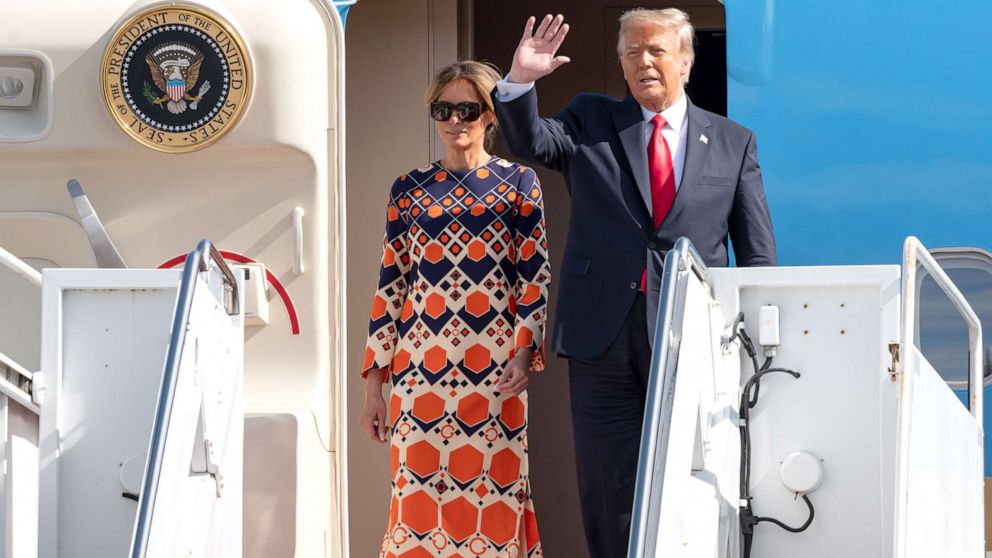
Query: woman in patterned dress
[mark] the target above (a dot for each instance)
(457, 324)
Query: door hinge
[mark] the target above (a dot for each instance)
(894, 369)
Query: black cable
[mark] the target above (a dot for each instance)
(749, 398)
(799, 529)
(739, 332)
(734, 328)
(745, 411)
(757, 385)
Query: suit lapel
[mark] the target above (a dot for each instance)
(630, 127)
(696, 151)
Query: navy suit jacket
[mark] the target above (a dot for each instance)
(597, 142)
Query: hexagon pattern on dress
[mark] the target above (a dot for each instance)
(463, 285)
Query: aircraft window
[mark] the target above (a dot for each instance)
(943, 335)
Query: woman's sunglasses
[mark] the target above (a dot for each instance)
(467, 112)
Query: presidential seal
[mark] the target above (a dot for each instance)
(176, 77)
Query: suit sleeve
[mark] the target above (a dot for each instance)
(750, 221)
(530, 294)
(390, 295)
(545, 141)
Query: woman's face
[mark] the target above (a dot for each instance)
(456, 134)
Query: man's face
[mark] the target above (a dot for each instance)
(653, 65)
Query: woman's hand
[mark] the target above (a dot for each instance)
(515, 376)
(535, 55)
(374, 415)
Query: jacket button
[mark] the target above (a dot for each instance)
(633, 285)
(652, 245)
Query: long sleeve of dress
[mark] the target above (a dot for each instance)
(533, 268)
(390, 296)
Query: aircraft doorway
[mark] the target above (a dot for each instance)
(490, 31)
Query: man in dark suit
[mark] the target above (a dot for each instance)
(641, 173)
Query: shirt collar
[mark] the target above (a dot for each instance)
(674, 115)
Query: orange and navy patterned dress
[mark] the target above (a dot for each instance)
(463, 284)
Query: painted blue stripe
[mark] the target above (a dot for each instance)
(343, 12)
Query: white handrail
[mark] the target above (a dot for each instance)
(649, 484)
(7, 387)
(915, 253)
(29, 273)
(198, 260)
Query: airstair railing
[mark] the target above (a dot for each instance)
(196, 261)
(914, 255)
(15, 381)
(19, 267)
(655, 431)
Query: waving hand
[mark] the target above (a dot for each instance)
(535, 55)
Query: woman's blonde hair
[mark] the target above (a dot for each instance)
(483, 77)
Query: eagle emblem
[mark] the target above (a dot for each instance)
(175, 69)
(176, 77)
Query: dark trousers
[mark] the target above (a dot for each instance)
(608, 394)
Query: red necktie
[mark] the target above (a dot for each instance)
(662, 178)
(661, 171)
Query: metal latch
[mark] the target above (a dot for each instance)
(894, 369)
(16, 379)
(19, 384)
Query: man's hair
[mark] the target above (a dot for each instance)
(483, 77)
(669, 19)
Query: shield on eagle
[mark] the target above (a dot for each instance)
(175, 89)
(175, 69)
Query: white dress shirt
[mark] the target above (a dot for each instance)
(674, 132)
(507, 91)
